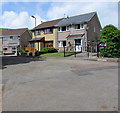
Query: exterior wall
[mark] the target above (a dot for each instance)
(48, 37)
(9, 44)
(62, 35)
(18, 44)
(0, 45)
(24, 39)
(94, 36)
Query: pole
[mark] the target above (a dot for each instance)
(75, 50)
(64, 51)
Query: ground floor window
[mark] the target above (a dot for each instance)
(49, 44)
(14, 49)
(77, 41)
(32, 45)
(61, 43)
(5, 48)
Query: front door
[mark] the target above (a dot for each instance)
(78, 46)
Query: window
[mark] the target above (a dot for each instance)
(4, 48)
(61, 43)
(32, 45)
(11, 37)
(50, 30)
(77, 41)
(15, 37)
(6, 38)
(94, 29)
(63, 28)
(37, 32)
(67, 28)
(59, 29)
(14, 50)
(79, 26)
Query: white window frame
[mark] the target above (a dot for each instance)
(61, 45)
(80, 26)
(60, 28)
(7, 38)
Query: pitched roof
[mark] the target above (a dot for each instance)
(47, 24)
(12, 32)
(76, 19)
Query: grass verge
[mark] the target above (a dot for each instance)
(58, 54)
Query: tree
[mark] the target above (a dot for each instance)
(111, 35)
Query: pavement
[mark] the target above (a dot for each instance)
(83, 56)
(60, 84)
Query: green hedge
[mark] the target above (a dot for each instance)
(49, 50)
(23, 51)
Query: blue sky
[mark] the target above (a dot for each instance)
(18, 14)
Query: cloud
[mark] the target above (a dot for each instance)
(11, 19)
(107, 11)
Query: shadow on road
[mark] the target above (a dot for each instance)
(13, 60)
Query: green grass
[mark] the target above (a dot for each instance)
(58, 54)
(4, 29)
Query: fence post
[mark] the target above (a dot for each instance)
(64, 51)
(75, 50)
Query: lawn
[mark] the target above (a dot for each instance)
(58, 54)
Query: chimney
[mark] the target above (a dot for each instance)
(68, 17)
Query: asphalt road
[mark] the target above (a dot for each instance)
(35, 84)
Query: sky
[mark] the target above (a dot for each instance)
(18, 14)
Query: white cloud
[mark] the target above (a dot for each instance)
(11, 19)
(107, 11)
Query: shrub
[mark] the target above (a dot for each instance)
(22, 51)
(49, 50)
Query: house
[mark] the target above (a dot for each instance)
(45, 35)
(14, 40)
(81, 31)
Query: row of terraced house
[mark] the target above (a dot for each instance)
(80, 30)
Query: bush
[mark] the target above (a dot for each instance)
(111, 36)
(37, 53)
(22, 51)
(49, 50)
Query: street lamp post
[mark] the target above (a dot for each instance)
(35, 27)
(35, 19)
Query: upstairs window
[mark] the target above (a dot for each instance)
(50, 30)
(11, 37)
(63, 28)
(79, 26)
(59, 29)
(15, 38)
(6, 38)
(94, 29)
(67, 28)
(37, 32)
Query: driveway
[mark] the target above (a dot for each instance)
(59, 84)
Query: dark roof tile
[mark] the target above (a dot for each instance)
(47, 24)
(13, 32)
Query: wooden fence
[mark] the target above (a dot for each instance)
(30, 49)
